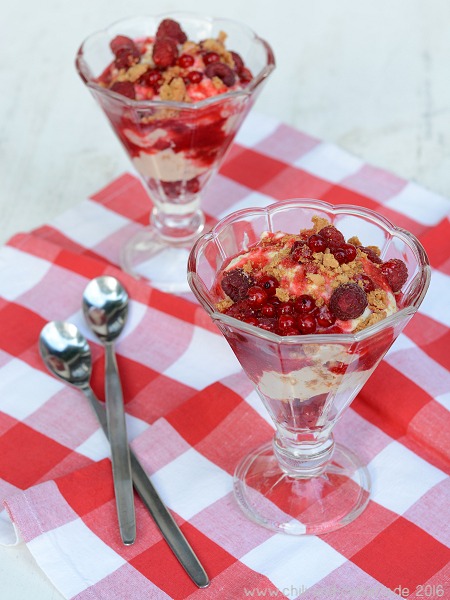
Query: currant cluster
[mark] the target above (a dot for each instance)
(165, 54)
(256, 303)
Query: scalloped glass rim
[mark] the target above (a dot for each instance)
(422, 278)
(136, 104)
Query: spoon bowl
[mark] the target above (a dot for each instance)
(66, 353)
(105, 307)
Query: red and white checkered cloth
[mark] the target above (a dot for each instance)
(192, 413)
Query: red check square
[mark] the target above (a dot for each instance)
(88, 488)
(27, 455)
(393, 408)
(402, 555)
(159, 560)
(20, 329)
(200, 415)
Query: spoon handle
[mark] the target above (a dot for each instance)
(120, 453)
(159, 511)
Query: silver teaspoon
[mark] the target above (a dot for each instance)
(67, 355)
(105, 307)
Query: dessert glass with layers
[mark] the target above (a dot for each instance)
(302, 482)
(176, 147)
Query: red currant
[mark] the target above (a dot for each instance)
(286, 322)
(304, 304)
(325, 318)
(307, 324)
(210, 57)
(286, 308)
(316, 243)
(350, 252)
(269, 310)
(256, 296)
(185, 61)
(251, 321)
(269, 284)
(339, 255)
(367, 283)
(195, 76)
(332, 236)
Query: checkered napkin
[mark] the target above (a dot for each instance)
(192, 413)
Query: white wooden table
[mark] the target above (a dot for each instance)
(370, 76)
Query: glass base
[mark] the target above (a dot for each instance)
(301, 506)
(162, 263)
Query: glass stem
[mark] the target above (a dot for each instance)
(178, 223)
(303, 459)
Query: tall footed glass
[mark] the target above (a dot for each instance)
(303, 482)
(175, 146)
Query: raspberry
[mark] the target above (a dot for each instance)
(395, 272)
(121, 43)
(332, 236)
(238, 62)
(125, 88)
(168, 28)
(235, 284)
(126, 59)
(348, 301)
(371, 255)
(222, 71)
(240, 310)
(165, 52)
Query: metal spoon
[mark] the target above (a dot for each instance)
(105, 307)
(67, 355)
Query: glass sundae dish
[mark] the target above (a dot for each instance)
(310, 297)
(175, 89)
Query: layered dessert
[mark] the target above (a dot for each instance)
(315, 282)
(175, 141)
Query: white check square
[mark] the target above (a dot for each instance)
(23, 390)
(419, 204)
(70, 556)
(250, 201)
(208, 359)
(191, 483)
(256, 128)
(89, 223)
(329, 162)
(435, 303)
(281, 558)
(400, 477)
(20, 272)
